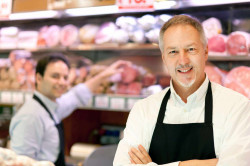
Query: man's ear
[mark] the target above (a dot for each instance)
(206, 53)
(38, 78)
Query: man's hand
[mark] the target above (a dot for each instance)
(210, 162)
(139, 156)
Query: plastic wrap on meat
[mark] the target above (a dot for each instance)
(129, 74)
(128, 23)
(161, 19)
(238, 79)
(148, 80)
(134, 88)
(217, 45)
(212, 27)
(41, 42)
(88, 32)
(68, 35)
(153, 35)
(53, 36)
(9, 37)
(120, 36)
(105, 33)
(214, 74)
(146, 22)
(137, 36)
(121, 88)
(238, 43)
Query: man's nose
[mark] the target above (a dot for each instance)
(183, 57)
(62, 81)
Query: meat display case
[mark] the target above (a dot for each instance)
(93, 117)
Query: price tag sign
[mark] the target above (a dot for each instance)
(102, 101)
(6, 97)
(135, 4)
(17, 97)
(117, 103)
(5, 8)
(131, 102)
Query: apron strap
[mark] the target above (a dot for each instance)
(163, 107)
(209, 106)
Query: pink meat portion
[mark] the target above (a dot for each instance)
(214, 74)
(238, 43)
(69, 35)
(148, 79)
(121, 88)
(238, 79)
(53, 36)
(129, 74)
(134, 88)
(217, 44)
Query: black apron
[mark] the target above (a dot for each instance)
(60, 159)
(181, 142)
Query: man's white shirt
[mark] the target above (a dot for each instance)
(231, 127)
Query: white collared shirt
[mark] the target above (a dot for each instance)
(231, 117)
(33, 132)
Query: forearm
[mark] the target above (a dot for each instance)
(209, 162)
(94, 82)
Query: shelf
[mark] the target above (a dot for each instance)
(152, 49)
(113, 9)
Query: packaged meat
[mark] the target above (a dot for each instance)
(9, 37)
(238, 79)
(27, 39)
(105, 33)
(120, 36)
(88, 32)
(41, 42)
(53, 36)
(134, 88)
(215, 74)
(153, 35)
(127, 23)
(212, 27)
(129, 74)
(137, 36)
(69, 35)
(238, 43)
(161, 19)
(217, 45)
(146, 22)
(148, 80)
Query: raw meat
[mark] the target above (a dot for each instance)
(88, 32)
(238, 43)
(105, 33)
(217, 45)
(214, 74)
(148, 79)
(212, 27)
(134, 88)
(53, 36)
(238, 79)
(129, 74)
(68, 35)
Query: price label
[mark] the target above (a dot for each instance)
(131, 102)
(117, 103)
(101, 101)
(135, 4)
(17, 97)
(5, 8)
(6, 97)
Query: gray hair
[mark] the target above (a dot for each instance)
(185, 20)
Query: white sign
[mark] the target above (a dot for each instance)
(5, 8)
(117, 103)
(102, 101)
(135, 4)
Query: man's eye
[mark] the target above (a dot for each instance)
(191, 49)
(173, 52)
(55, 76)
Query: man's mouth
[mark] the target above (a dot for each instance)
(185, 70)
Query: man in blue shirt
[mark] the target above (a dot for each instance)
(36, 129)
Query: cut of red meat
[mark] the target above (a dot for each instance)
(69, 35)
(238, 43)
(238, 79)
(129, 74)
(148, 79)
(217, 45)
(214, 74)
(121, 88)
(134, 88)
